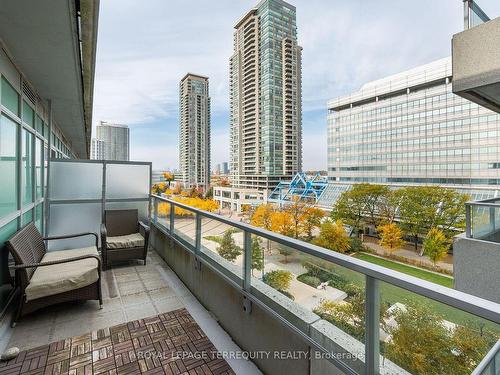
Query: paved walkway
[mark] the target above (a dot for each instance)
(169, 343)
(446, 263)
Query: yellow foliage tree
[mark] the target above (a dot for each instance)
(311, 220)
(296, 210)
(282, 222)
(169, 177)
(333, 236)
(262, 216)
(391, 237)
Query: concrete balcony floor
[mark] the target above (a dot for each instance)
(147, 309)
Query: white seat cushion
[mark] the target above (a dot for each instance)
(63, 277)
(125, 242)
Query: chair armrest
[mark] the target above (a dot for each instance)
(68, 260)
(104, 231)
(144, 226)
(74, 235)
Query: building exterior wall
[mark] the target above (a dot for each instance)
(265, 97)
(475, 265)
(194, 131)
(97, 149)
(235, 199)
(116, 138)
(411, 129)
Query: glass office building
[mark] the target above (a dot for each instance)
(410, 129)
(265, 97)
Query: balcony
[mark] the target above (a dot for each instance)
(192, 309)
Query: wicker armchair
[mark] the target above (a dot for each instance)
(123, 237)
(47, 278)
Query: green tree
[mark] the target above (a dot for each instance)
(278, 279)
(285, 251)
(436, 245)
(257, 254)
(227, 247)
(350, 207)
(424, 207)
(333, 236)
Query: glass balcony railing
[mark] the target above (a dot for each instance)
(363, 318)
(483, 220)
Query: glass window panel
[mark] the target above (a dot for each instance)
(39, 124)
(74, 180)
(27, 217)
(5, 276)
(38, 167)
(27, 166)
(8, 162)
(10, 97)
(39, 217)
(28, 114)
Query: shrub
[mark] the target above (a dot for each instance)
(278, 279)
(337, 281)
(309, 280)
(288, 294)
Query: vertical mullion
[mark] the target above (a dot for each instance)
(47, 192)
(372, 324)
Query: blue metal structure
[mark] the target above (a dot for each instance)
(308, 188)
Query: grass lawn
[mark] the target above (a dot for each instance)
(412, 271)
(390, 294)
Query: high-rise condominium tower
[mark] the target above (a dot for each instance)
(116, 138)
(265, 95)
(194, 131)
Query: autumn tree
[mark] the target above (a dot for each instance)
(227, 247)
(278, 279)
(419, 342)
(262, 217)
(333, 236)
(296, 210)
(436, 245)
(390, 237)
(169, 177)
(257, 254)
(312, 219)
(282, 223)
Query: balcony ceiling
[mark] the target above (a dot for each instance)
(42, 38)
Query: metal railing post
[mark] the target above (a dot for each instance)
(155, 210)
(171, 224)
(468, 223)
(247, 269)
(247, 262)
(372, 326)
(197, 241)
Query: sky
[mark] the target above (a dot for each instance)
(146, 47)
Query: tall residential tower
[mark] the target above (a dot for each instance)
(194, 131)
(265, 97)
(116, 138)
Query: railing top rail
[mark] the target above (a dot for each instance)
(477, 306)
(485, 202)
